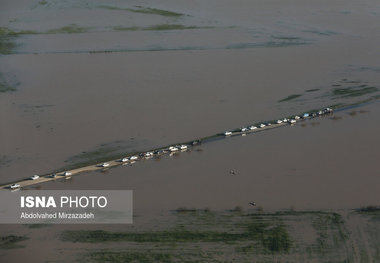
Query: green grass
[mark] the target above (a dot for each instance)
(73, 28)
(169, 27)
(291, 97)
(144, 10)
(272, 235)
(7, 41)
(321, 33)
(313, 236)
(156, 27)
(312, 90)
(4, 85)
(6, 32)
(123, 28)
(155, 11)
(353, 91)
(107, 256)
(331, 232)
(102, 153)
(91, 157)
(37, 226)
(186, 210)
(287, 38)
(70, 29)
(269, 44)
(8, 37)
(11, 241)
(371, 209)
(6, 47)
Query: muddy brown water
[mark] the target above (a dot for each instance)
(333, 167)
(199, 82)
(70, 103)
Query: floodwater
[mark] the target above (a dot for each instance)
(324, 163)
(230, 64)
(232, 68)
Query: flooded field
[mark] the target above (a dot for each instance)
(86, 80)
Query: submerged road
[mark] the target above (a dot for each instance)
(174, 149)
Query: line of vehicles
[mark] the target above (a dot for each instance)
(35, 177)
(184, 147)
(291, 121)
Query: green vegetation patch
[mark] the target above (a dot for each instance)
(123, 28)
(99, 236)
(107, 256)
(331, 231)
(70, 29)
(353, 91)
(312, 90)
(91, 157)
(144, 10)
(321, 33)
(7, 40)
(287, 38)
(193, 235)
(6, 32)
(37, 226)
(170, 27)
(269, 44)
(156, 27)
(11, 241)
(369, 209)
(102, 153)
(6, 46)
(4, 84)
(274, 237)
(155, 11)
(291, 97)
(271, 235)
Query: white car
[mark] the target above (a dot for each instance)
(148, 154)
(173, 149)
(243, 129)
(279, 121)
(292, 121)
(297, 117)
(14, 186)
(124, 160)
(66, 174)
(252, 127)
(105, 165)
(34, 177)
(133, 158)
(262, 125)
(227, 133)
(183, 147)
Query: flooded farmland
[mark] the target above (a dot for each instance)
(84, 80)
